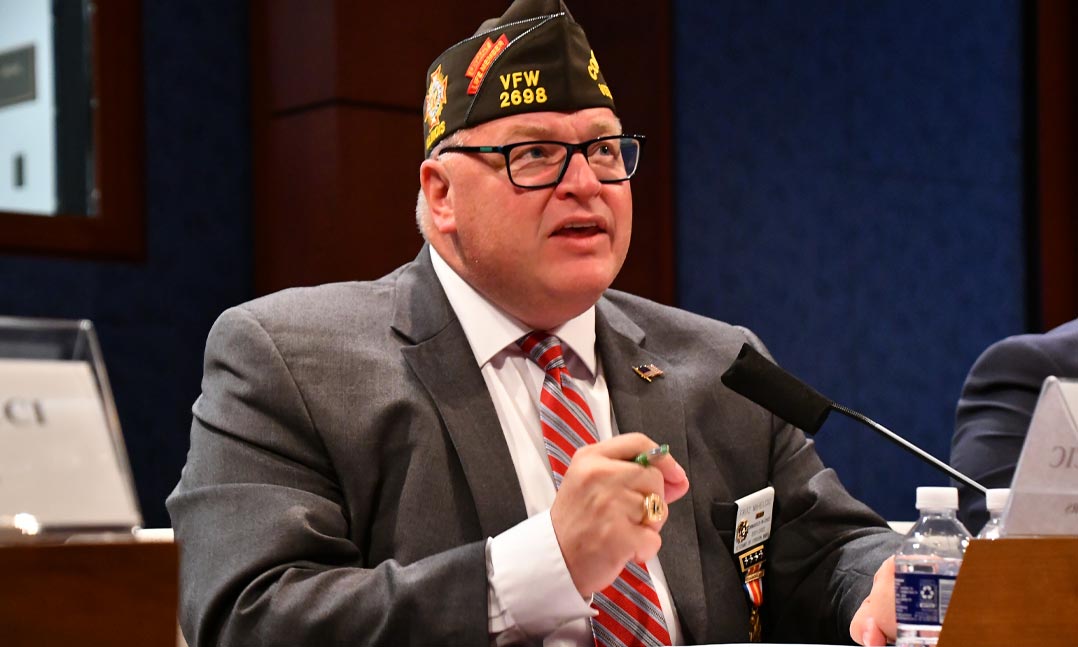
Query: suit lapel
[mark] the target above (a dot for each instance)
(655, 409)
(443, 361)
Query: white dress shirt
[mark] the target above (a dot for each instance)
(531, 593)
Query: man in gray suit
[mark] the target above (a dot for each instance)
(404, 462)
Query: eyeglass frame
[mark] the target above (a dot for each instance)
(571, 150)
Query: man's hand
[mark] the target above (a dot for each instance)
(874, 622)
(598, 513)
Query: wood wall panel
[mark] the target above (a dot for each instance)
(1057, 159)
(336, 94)
(299, 61)
(344, 203)
(362, 52)
(408, 36)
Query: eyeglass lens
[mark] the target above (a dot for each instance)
(537, 163)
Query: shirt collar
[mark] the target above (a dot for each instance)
(490, 329)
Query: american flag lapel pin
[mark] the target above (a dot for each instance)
(648, 372)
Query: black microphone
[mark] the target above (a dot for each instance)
(763, 382)
(755, 377)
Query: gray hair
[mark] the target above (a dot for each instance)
(422, 209)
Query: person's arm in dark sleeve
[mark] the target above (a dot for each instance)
(267, 557)
(993, 416)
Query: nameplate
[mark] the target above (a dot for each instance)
(58, 457)
(1044, 492)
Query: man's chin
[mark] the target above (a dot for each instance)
(583, 290)
(584, 280)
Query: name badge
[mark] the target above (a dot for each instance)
(752, 527)
(753, 523)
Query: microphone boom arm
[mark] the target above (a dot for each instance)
(907, 445)
(759, 379)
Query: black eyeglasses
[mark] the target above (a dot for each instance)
(541, 164)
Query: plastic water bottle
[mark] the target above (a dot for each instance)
(926, 566)
(996, 501)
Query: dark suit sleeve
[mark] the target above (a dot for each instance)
(996, 406)
(267, 554)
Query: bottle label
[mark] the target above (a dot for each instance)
(922, 598)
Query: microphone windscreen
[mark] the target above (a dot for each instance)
(762, 381)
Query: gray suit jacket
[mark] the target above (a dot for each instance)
(347, 465)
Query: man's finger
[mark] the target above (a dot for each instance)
(625, 447)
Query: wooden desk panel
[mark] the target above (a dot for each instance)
(107, 594)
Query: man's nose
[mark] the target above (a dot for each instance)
(580, 178)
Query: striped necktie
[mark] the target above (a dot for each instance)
(629, 610)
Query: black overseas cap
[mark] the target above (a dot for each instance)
(533, 58)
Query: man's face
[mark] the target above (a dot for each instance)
(543, 255)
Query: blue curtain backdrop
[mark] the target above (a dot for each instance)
(849, 182)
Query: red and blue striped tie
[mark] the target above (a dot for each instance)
(629, 610)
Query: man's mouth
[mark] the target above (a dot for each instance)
(579, 229)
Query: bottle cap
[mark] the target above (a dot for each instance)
(937, 498)
(996, 499)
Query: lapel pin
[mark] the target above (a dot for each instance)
(648, 372)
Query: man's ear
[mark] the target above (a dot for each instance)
(438, 190)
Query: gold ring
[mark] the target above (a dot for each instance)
(653, 508)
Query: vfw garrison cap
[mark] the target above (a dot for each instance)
(533, 58)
